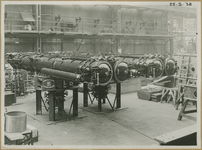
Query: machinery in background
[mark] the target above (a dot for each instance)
(59, 72)
(152, 65)
(99, 70)
(147, 65)
(8, 76)
(19, 81)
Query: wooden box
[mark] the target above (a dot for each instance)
(146, 92)
(10, 98)
(156, 97)
(34, 133)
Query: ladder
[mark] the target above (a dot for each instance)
(184, 70)
(182, 79)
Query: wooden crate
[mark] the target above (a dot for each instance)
(35, 133)
(146, 92)
(156, 97)
(10, 98)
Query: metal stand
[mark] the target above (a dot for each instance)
(100, 93)
(56, 100)
(99, 104)
(85, 94)
(52, 106)
(38, 102)
(118, 95)
(74, 103)
(75, 100)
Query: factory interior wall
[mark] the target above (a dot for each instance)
(17, 15)
(68, 14)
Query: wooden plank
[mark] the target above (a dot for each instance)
(192, 99)
(171, 136)
(14, 136)
(27, 131)
(156, 97)
(157, 94)
(189, 111)
(188, 116)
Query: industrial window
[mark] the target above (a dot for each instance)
(27, 17)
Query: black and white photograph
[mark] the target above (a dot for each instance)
(100, 74)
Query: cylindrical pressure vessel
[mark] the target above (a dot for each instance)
(62, 74)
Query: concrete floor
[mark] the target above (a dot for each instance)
(135, 124)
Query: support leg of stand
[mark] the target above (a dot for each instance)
(99, 104)
(118, 95)
(38, 102)
(184, 113)
(110, 103)
(91, 100)
(85, 94)
(51, 106)
(61, 103)
(104, 101)
(182, 110)
(75, 102)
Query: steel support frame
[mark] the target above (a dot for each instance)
(118, 18)
(52, 101)
(117, 99)
(85, 94)
(75, 100)
(99, 104)
(118, 95)
(38, 102)
(51, 105)
(38, 25)
(115, 15)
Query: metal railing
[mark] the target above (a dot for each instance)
(84, 25)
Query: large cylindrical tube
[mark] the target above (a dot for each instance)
(24, 62)
(15, 61)
(92, 70)
(67, 65)
(62, 74)
(39, 61)
(75, 57)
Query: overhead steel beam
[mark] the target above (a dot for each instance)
(87, 36)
